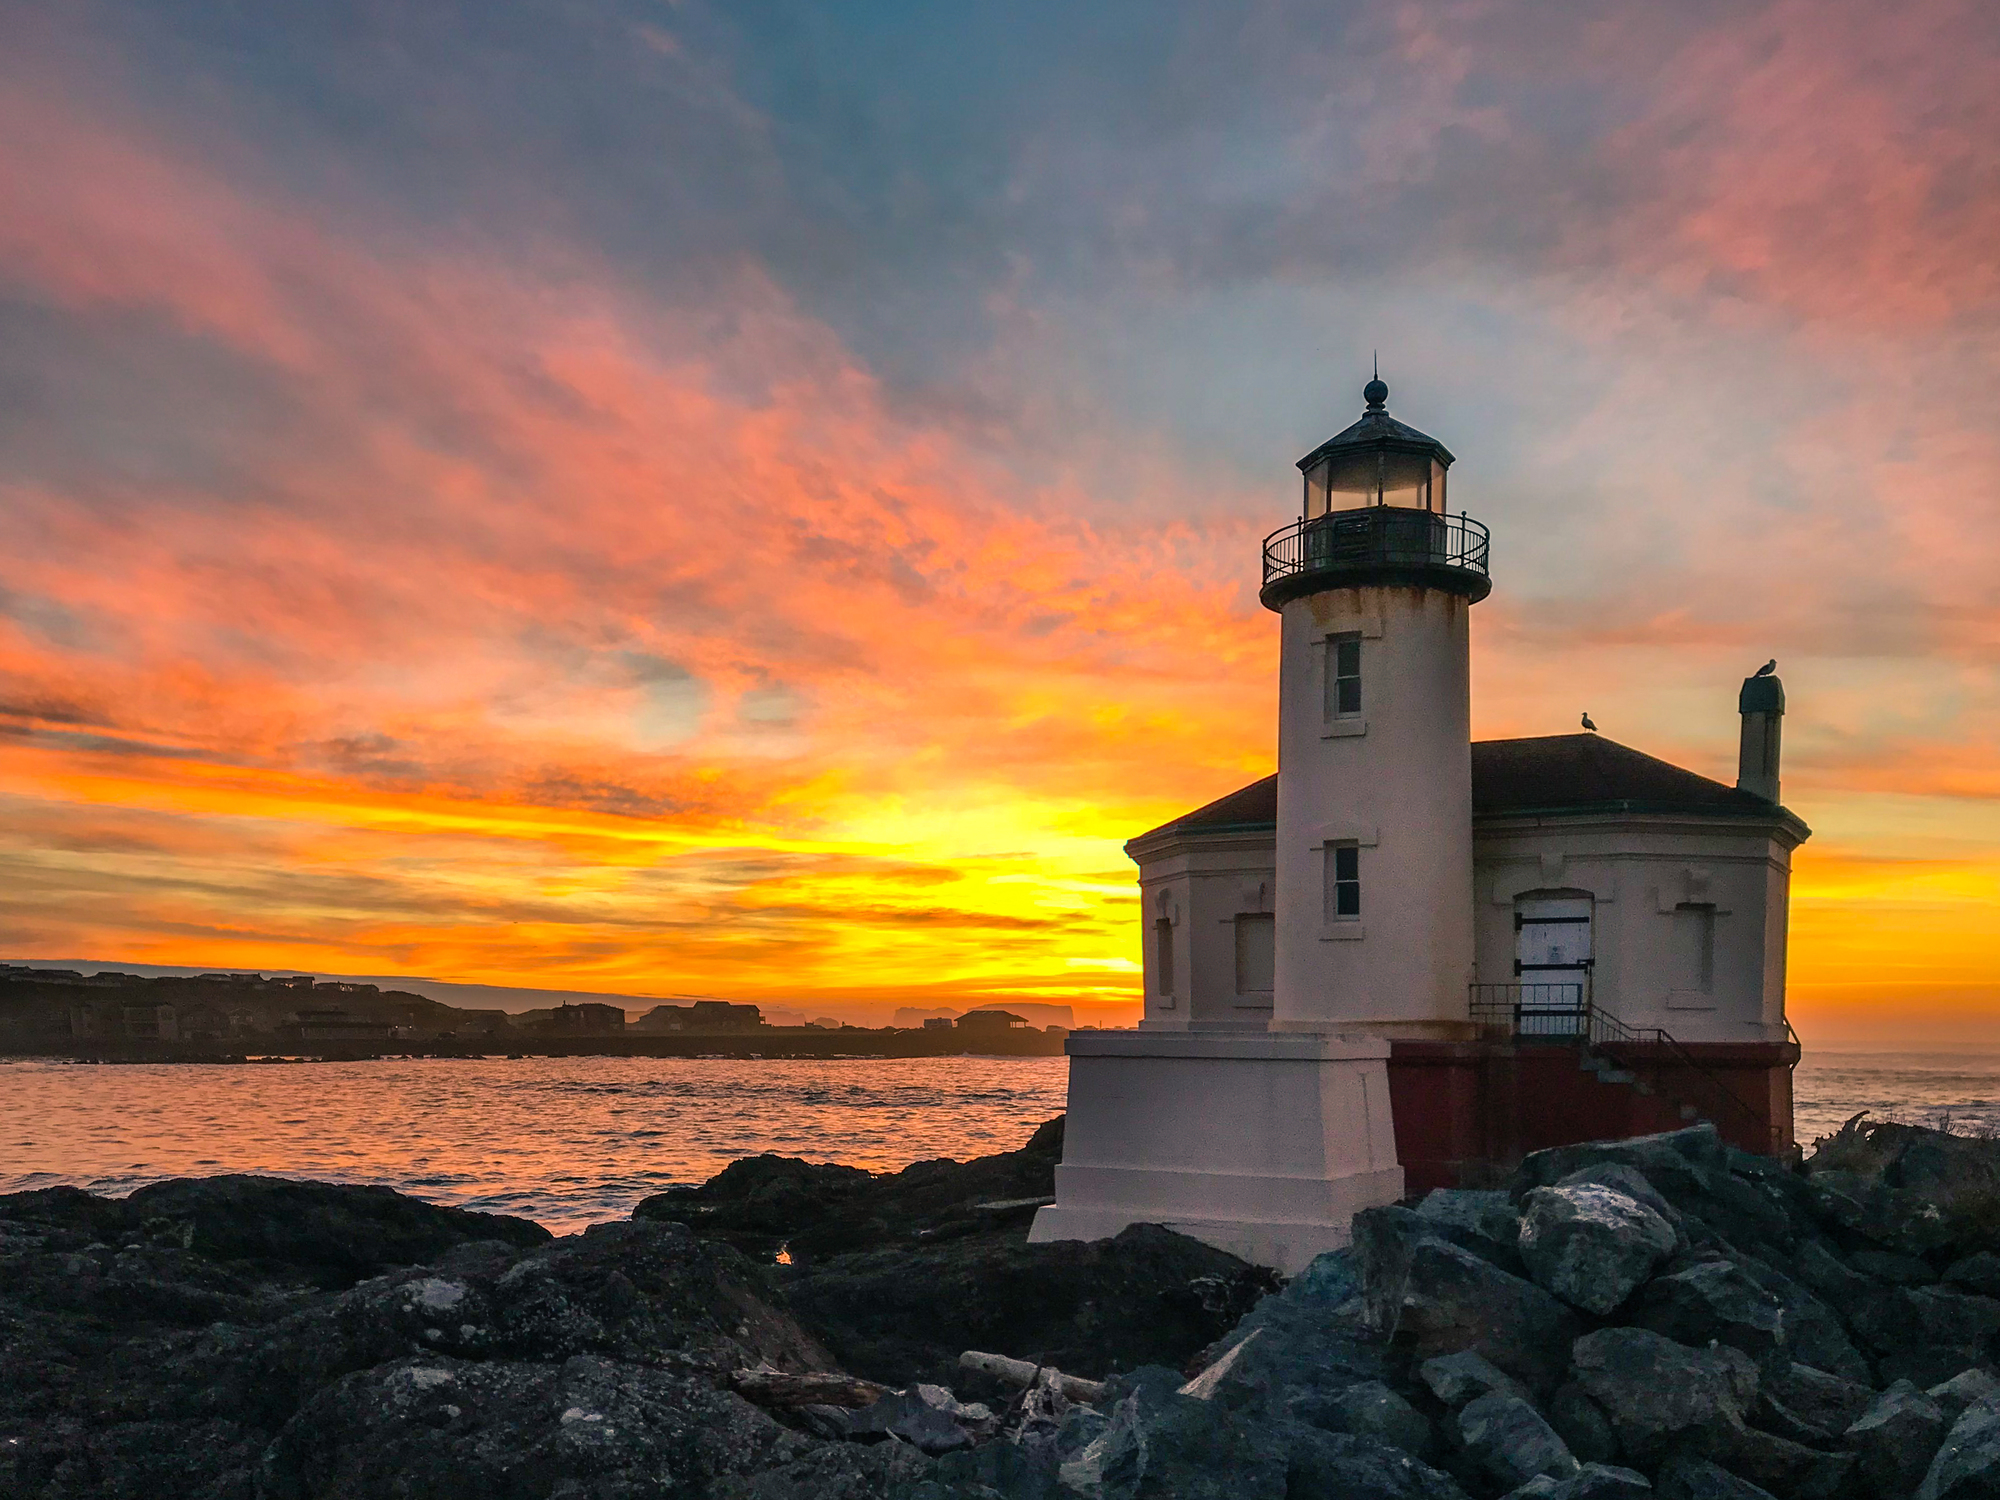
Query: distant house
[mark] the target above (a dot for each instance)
(990, 1021)
(701, 1016)
(587, 1019)
(338, 1026)
(938, 1023)
(150, 1021)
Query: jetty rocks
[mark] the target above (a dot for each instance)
(1661, 1317)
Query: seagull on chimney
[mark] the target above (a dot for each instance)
(1767, 669)
(1587, 724)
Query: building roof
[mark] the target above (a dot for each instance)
(1552, 774)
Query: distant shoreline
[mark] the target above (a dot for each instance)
(775, 1044)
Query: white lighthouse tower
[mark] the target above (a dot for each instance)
(1262, 1123)
(1374, 584)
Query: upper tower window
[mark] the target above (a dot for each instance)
(1343, 677)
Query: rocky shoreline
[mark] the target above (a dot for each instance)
(1664, 1316)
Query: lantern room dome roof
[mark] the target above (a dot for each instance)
(1377, 429)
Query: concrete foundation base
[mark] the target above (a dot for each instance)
(1261, 1144)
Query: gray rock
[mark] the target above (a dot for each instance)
(1581, 1424)
(1458, 1378)
(1927, 1334)
(1895, 1439)
(1815, 1332)
(1827, 1401)
(1372, 1410)
(1967, 1467)
(1657, 1392)
(1591, 1245)
(1967, 1388)
(1509, 1439)
(927, 1417)
(1591, 1482)
(441, 1429)
(1487, 1213)
(1823, 1269)
(1604, 1482)
(1979, 1272)
(1339, 1466)
(1715, 1300)
(989, 1468)
(1446, 1298)
(1687, 1478)
(1329, 1280)
(1631, 1182)
(1896, 1269)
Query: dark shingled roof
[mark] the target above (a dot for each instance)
(1578, 773)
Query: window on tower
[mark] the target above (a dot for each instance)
(1343, 882)
(1163, 956)
(1343, 676)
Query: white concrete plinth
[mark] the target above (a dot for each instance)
(1261, 1144)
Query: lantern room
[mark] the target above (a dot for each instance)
(1377, 461)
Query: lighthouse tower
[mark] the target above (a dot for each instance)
(1374, 584)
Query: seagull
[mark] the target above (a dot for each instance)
(1767, 669)
(1587, 724)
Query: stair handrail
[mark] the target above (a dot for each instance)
(1608, 1029)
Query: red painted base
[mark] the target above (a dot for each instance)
(1467, 1112)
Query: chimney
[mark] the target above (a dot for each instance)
(1762, 704)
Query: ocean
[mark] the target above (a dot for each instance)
(574, 1141)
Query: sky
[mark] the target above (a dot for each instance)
(763, 499)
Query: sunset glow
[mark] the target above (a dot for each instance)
(659, 499)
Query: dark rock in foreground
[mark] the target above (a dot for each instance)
(1661, 1317)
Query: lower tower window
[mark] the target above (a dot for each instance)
(1343, 882)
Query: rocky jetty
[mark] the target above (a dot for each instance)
(1663, 1316)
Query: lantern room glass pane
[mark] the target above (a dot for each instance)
(1406, 480)
(1354, 479)
(1316, 502)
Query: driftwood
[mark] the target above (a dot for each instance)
(1023, 1372)
(820, 1388)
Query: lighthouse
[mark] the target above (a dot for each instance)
(1374, 584)
(1408, 958)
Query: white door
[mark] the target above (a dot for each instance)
(1552, 960)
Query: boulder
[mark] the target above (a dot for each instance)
(1581, 1424)
(764, 1203)
(1591, 1245)
(1827, 1401)
(1657, 1393)
(1603, 1482)
(1967, 1466)
(901, 1316)
(1632, 1183)
(1443, 1298)
(1813, 1330)
(927, 1417)
(1714, 1300)
(1687, 1478)
(1978, 1272)
(1967, 1388)
(1895, 1268)
(1477, 1218)
(1510, 1441)
(442, 1429)
(341, 1232)
(1324, 1466)
(1465, 1376)
(1927, 1334)
(1371, 1410)
(1894, 1440)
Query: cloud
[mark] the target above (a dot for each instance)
(658, 499)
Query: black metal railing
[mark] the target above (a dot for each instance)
(1379, 536)
(1560, 1012)
(1566, 1013)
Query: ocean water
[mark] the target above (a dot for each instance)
(573, 1141)
(565, 1141)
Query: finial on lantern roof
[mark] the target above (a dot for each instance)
(1376, 392)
